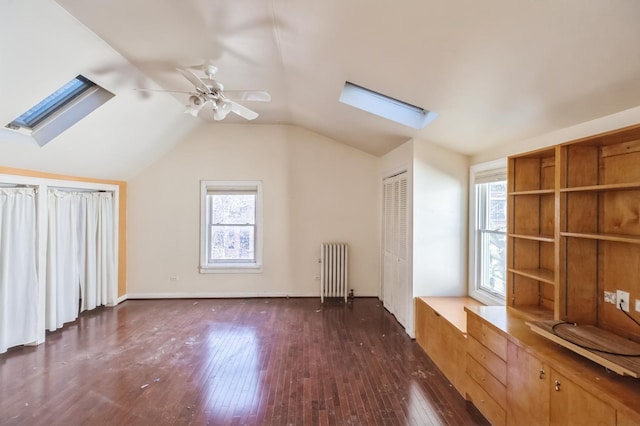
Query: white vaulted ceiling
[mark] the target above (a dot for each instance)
(496, 71)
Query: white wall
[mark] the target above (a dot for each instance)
(621, 119)
(440, 208)
(314, 189)
(437, 186)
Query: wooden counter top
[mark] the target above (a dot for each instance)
(452, 309)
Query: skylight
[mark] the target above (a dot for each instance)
(52, 103)
(60, 110)
(385, 106)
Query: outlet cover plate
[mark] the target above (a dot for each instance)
(622, 298)
(610, 297)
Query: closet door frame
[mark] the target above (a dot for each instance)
(42, 186)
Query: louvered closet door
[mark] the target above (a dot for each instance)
(388, 243)
(401, 302)
(396, 292)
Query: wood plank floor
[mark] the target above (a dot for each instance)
(229, 362)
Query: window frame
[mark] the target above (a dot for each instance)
(496, 168)
(208, 186)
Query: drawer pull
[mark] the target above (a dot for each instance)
(541, 371)
(557, 386)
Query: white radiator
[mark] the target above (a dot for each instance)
(333, 270)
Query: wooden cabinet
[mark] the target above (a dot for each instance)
(574, 231)
(441, 333)
(625, 417)
(539, 382)
(539, 395)
(528, 396)
(569, 404)
(487, 370)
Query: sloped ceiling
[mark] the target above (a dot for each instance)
(496, 71)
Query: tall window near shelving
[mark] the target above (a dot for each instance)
(488, 232)
(231, 226)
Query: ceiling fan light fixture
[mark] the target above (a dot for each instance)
(192, 110)
(222, 108)
(386, 106)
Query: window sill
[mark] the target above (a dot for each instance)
(487, 298)
(231, 269)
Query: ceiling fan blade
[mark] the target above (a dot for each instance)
(242, 111)
(165, 91)
(195, 80)
(248, 95)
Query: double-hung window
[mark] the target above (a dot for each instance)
(488, 232)
(231, 226)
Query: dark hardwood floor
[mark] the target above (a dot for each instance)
(229, 362)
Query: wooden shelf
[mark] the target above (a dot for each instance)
(543, 275)
(532, 312)
(631, 239)
(594, 344)
(534, 192)
(543, 238)
(596, 188)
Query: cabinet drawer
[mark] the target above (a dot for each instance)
(489, 383)
(485, 404)
(487, 359)
(487, 336)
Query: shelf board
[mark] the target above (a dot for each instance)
(544, 275)
(534, 192)
(532, 312)
(608, 187)
(543, 238)
(576, 338)
(620, 238)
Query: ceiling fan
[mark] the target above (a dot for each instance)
(210, 93)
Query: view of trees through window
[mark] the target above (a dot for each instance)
(492, 228)
(232, 225)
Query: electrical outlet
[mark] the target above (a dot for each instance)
(610, 297)
(623, 300)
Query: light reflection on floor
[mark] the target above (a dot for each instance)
(232, 378)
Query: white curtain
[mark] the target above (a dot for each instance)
(18, 276)
(80, 257)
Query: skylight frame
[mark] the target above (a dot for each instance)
(53, 103)
(60, 110)
(385, 106)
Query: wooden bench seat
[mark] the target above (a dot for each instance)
(441, 331)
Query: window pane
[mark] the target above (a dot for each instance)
(493, 249)
(232, 243)
(233, 209)
(495, 218)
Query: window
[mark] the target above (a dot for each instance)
(488, 232)
(60, 110)
(231, 226)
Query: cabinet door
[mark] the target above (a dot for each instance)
(572, 405)
(527, 388)
(627, 418)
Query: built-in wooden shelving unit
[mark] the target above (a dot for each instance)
(574, 231)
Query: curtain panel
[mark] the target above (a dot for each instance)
(18, 273)
(80, 254)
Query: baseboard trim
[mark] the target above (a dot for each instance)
(218, 295)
